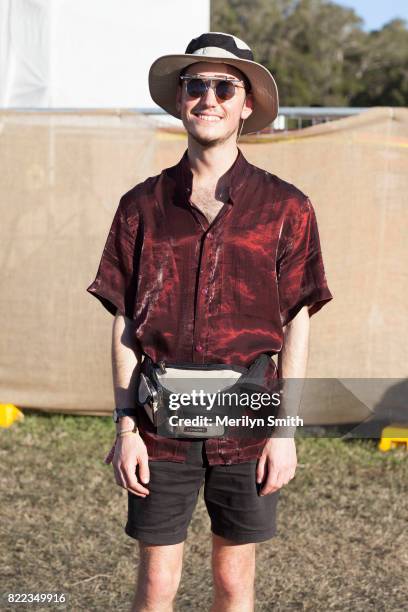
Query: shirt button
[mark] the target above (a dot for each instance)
(209, 235)
(199, 348)
(204, 291)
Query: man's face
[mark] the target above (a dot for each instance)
(208, 120)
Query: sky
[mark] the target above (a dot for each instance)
(377, 12)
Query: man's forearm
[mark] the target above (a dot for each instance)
(126, 359)
(292, 364)
(294, 353)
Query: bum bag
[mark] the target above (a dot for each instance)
(191, 400)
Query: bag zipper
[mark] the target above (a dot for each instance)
(201, 366)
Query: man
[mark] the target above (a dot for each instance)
(212, 261)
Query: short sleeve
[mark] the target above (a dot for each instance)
(115, 284)
(300, 270)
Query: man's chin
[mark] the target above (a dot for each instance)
(209, 140)
(206, 141)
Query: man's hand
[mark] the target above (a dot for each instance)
(277, 464)
(130, 453)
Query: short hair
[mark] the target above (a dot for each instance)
(244, 78)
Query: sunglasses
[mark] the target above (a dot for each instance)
(223, 87)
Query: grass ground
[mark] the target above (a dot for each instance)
(342, 542)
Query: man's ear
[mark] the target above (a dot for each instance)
(248, 106)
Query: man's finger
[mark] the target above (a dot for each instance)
(260, 469)
(132, 482)
(138, 490)
(289, 474)
(118, 476)
(269, 490)
(270, 484)
(144, 472)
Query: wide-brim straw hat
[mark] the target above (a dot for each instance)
(217, 47)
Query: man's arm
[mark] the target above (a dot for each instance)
(130, 450)
(277, 465)
(126, 359)
(292, 362)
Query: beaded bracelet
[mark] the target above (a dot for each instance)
(120, 434)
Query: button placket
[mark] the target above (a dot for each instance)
(200, 331)
(205, 281)
(197, 335)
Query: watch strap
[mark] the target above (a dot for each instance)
(122, 412)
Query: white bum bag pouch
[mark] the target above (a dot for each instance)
(186, 400)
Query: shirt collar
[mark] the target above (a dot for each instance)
(235, 175)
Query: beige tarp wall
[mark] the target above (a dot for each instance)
(62, 175)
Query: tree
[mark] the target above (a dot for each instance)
(318, 51)
(383, 73)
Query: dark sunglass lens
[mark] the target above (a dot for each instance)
(195, 88)
(225, 90)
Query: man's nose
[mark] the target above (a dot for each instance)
(209, 98)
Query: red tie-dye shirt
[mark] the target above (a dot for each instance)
(219, 292)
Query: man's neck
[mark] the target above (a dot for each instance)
(209, 164)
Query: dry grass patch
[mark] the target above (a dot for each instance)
(342, 542)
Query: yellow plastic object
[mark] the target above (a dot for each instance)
(8, 414)
(393, 436)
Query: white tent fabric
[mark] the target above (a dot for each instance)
(92, 54)
(24, 53)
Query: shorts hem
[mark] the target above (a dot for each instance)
(245, 538)
(155, 538)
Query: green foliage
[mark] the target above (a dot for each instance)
(384, 68)
(318, 52)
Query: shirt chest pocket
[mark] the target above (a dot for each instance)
(249, 282)
(158, 279)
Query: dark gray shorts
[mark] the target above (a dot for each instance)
(236, 510)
